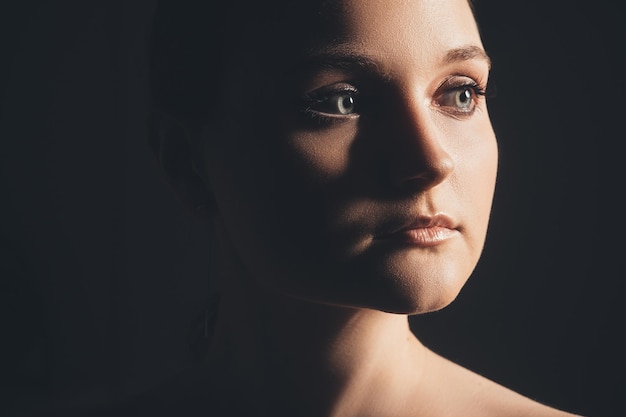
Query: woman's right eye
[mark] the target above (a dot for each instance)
(342, 104)
(339, 102)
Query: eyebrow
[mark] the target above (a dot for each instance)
(348, 60)
(466, 53)
(338, 60)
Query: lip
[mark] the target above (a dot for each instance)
(423, 231)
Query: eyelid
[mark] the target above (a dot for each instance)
(331, 90)
(458, 81)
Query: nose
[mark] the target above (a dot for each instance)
(418, 157)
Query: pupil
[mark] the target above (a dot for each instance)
(465, 96)
(346, 105)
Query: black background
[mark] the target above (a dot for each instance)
(101, 269)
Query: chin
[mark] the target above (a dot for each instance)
(412, 299)
(409, 294)
(413, 284)
(425, 302)
(406, 303)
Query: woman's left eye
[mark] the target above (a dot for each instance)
(461, 100)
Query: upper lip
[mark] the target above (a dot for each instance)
(418, 222)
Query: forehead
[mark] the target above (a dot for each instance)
(402, 22)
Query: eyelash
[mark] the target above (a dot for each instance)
(322, 96)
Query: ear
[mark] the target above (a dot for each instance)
(175, 153)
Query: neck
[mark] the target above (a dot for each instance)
(285, 356)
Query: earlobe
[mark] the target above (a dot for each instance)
(173, 152)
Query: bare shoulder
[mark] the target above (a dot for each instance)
(483, 396)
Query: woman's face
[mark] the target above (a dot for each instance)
(356, 161)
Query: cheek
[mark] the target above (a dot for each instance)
(485, 165)
(275, 195)
(475, 181)
(321, 157)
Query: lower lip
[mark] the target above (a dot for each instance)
(425, 236)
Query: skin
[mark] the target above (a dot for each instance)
(312, 319)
